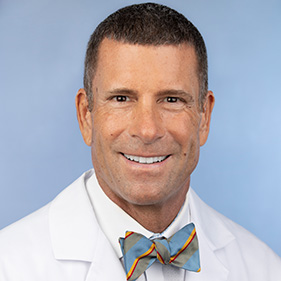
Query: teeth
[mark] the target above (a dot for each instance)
(145, 160)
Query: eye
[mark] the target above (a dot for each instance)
(171, 99)
(121, 98)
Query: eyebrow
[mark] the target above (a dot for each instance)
(122, 91)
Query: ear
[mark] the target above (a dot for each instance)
(206, 117)
(84, 116)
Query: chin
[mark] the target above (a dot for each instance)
(149, 197)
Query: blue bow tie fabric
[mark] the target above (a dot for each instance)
(180, 250)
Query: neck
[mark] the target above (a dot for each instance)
(155, 217)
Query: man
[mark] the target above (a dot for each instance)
(145, 111)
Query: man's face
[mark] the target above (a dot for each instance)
(145, 129)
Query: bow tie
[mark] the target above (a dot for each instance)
(180, 250)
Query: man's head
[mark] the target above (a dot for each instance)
(146, 121)
(146, 24)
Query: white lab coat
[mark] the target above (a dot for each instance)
(63, 242)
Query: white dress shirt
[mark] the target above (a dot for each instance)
(114, 222)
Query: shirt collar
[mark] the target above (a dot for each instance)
(114, 222)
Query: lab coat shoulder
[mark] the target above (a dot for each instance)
(23, 237)
(256, 259)
(28, 247)
(239, 252)
(26, 251)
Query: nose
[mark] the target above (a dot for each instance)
(146, 122)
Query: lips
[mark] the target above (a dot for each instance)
(145, 160)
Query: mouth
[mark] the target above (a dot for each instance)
(145, 160)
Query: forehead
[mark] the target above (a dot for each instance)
(164, 64)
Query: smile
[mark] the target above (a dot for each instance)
(145, 160)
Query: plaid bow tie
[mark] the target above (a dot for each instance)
(180, 250)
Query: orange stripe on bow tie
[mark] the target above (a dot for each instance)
(128, 233)
(148, 252)
(188, 241)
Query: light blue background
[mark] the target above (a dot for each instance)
(41, 64)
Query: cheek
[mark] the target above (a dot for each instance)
(109, 125)
(194, 152)
(185, 131)
(107, 129)
(103, 131)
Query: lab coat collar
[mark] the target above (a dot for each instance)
(209, 222)
(76, 235)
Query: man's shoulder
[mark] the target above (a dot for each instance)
(24, 244)
(29, 226)
(218, 224)
(37, 222)
(30, 243)
(241, 252)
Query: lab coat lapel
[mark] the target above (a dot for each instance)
(76, 235)
(73, 225)
(211, 267)
(105, 265)
(213, 237)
